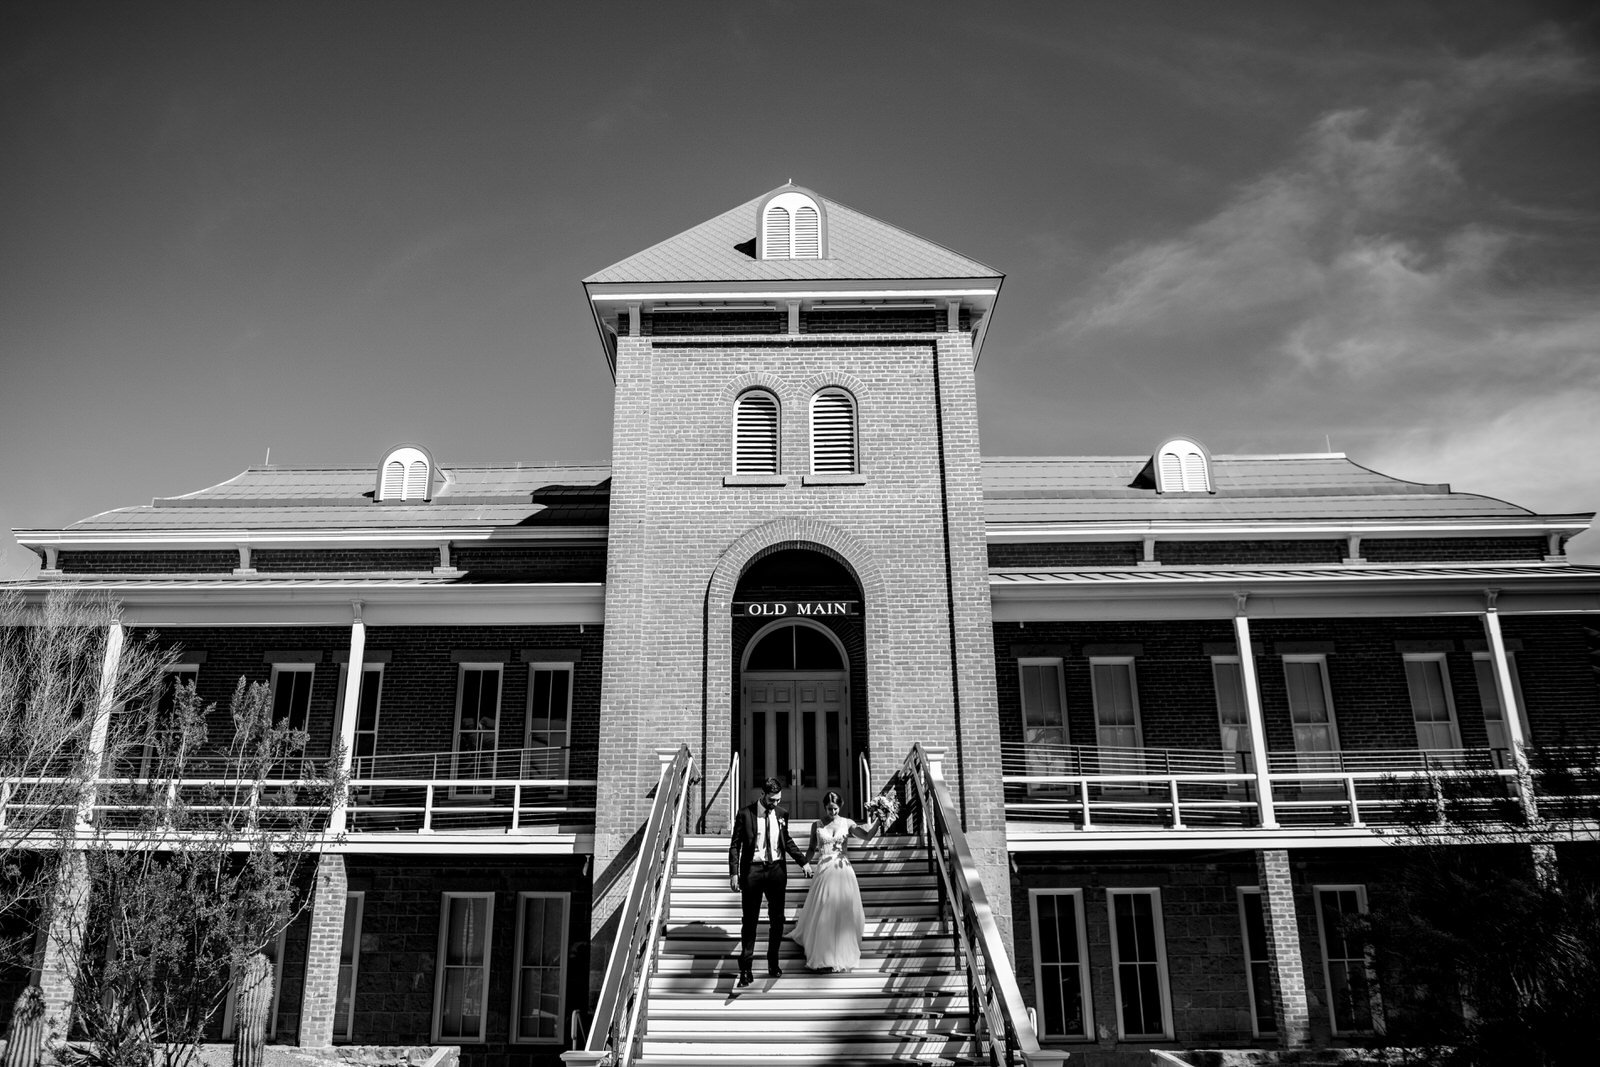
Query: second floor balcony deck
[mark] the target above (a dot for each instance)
(427, 798)
(1060, 795)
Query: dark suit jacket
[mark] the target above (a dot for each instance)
(746, 837)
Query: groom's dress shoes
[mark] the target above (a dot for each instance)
(774, 971)
(745, 978)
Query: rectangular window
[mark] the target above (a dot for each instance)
(1233, 713)
(1310, 706)
(141, 757)
(274, 952)
(1139, 963)
(541, 976)
(1494, 716)
(1060, 963)
(549, 732)
(291, 693)
(1433, 707)
(344, 1003)
(477, 725)
(368, 702)
(461, 992)
(1346, 967)
(1116, 718)
(1044, 716)
(1253, 926)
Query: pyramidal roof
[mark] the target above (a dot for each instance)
(859, 247)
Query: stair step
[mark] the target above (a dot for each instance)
(856, 984)
(855, 1008)
(794, 965)
(958, 1048)
(906, 927)
(833, 1059)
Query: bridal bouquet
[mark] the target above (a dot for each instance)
(883, 808)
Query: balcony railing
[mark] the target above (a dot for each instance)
(510, 790)
(1090, 787)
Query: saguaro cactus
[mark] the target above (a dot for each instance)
(27, 1029)
(253, 1006)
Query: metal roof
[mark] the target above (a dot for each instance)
(860, 247)
(1326, 486)
(1166, 576)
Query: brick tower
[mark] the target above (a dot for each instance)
(796, 570)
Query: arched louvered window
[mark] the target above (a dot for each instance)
(777, 233)
(394, 481)
(405, 474)
(833, 432)
(807, 233)
(755, 433)
(1181, 467)
(793, 226)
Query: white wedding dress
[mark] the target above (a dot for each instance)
(830, 922)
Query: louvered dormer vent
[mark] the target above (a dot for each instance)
(793, 225)
(406, 473)
(1182, 466)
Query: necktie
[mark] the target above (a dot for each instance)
(771, 839)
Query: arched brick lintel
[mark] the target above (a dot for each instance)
(753, 545)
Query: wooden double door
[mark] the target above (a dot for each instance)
(795, 727)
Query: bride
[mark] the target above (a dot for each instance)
(829, 924)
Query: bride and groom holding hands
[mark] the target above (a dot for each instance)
(830, 922)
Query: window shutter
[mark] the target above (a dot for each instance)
(417, 480)
(1171, 473)
(1194, 473)
(394, 475)
(833, 433)
(807, 234)
(755, 446)
(776, 244)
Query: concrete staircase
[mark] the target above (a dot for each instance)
(906, 1003)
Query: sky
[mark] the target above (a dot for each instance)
(314, 230)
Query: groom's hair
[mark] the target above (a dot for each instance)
(771, 786)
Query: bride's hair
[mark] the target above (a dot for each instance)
(830, 797)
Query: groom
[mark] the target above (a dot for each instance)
(757, 869)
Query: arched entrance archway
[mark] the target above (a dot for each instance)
(798, 655)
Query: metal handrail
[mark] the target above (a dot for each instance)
(991, 983)
(614, 1034)
(864, 793)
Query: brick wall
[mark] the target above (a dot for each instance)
(141, 562)
(1066, 554)
(1366, 672)
(1450, 549)
(400, 938)
(569, 562)
(417, 707)
(353, 559)
(1204, 553)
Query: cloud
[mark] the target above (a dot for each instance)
(1542, 453)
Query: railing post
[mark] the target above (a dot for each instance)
(1083, 796)
(516, 807)
(1350, 798)
(1177, 815)
(427, 809)
(1258, 730)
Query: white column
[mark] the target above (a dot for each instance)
(1258, 729)
(1508, 703)
(354, 670)
(101, 727)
